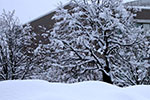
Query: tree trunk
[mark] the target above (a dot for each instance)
(106, 78)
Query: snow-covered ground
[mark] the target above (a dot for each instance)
(42, 90)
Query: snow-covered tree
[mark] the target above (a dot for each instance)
(99, 36)
(15, 39)
(136, 68)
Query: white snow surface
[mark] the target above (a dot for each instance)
(91, 90)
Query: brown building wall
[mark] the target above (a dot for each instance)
(143, 14)
(47, 22)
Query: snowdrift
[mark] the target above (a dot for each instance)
(92, 90)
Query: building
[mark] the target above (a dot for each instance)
(143, 15)
(142, 18)
(45, 21)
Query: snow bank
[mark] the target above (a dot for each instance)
(42, 90)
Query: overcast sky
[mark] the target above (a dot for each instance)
(28, 10)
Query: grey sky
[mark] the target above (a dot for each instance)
(28, 10)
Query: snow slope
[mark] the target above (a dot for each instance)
(42, 90)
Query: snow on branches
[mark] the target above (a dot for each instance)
(14, 40)
(99, 36)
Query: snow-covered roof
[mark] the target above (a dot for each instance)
(140, 3)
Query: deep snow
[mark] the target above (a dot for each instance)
(42, 90)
